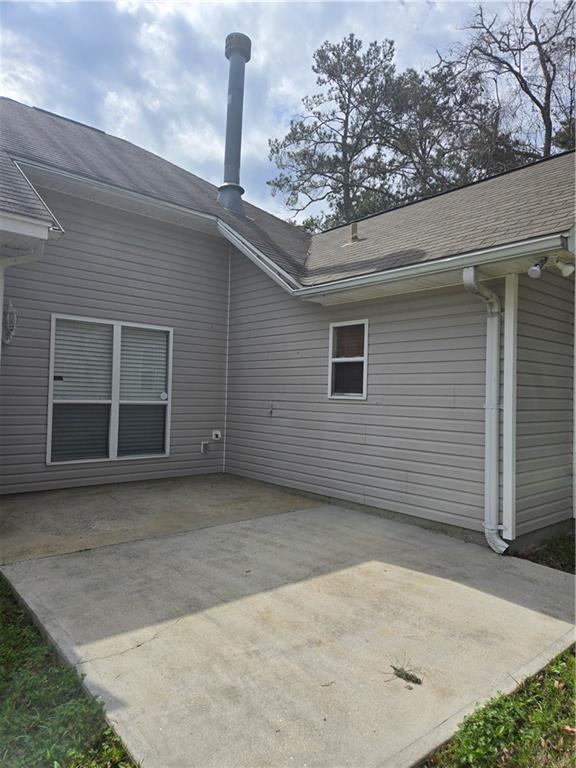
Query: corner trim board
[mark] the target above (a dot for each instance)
(509, 408)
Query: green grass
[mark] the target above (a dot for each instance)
(533, 727)
(528, 729)
(407, 674)
(46, 719)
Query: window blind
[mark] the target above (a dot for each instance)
(82, 361)
(144, 362)
(349, 341)
(110, 390)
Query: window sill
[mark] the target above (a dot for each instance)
(347, 397)
(139, 457)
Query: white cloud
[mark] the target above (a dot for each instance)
(170, 96)
(21, 75)
(198, 142)
(122, 115)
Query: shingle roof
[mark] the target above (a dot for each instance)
(34, 134)
(529, 202)
(520, 205)
(16, 194)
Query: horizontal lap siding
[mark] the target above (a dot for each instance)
(414, 446)
(545, 398)
(116, 266)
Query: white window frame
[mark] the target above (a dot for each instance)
(115, 400)
(363, 359)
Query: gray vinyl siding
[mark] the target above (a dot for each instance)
(113, 265)
(545, 401)
(415, 446)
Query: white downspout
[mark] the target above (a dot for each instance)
(492, 410)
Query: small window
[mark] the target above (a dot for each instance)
(110, 390)
(348, 360)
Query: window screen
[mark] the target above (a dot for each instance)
(110, 390)
(80, 431)
(141, 429)
(348, 378)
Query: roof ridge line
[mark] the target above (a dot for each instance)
(408, 203)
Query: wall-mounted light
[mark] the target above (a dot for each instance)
(535, 270)
(9, 321)
(566, 270)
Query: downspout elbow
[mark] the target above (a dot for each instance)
(492, 301)
(495, 541)
(492, 410)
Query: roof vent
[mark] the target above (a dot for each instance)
(353, 235)
(238, 49)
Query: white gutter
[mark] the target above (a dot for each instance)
(111, 189)
(488, 255)
(491, 409)
(286, 281)
(273, 271)
(266, 264)
(41, 229)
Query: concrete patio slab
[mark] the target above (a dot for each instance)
(55, 522)
(269, 642)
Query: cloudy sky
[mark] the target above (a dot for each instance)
(155, 73)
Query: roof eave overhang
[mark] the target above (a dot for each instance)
(22, 238)
(25, 226)
(135, 202)
(492, 262)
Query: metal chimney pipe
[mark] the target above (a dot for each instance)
(238, 48)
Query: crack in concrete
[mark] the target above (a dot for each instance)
(132, 647)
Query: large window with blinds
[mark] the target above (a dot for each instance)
(348, 363)
(110, 390)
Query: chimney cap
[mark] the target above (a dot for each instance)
(236, 42)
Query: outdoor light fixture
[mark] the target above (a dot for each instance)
(566, 269)
(9, 321)
(535, 270)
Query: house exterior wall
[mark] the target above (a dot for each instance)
(415, 446)
(113, 265)
(545, 371)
